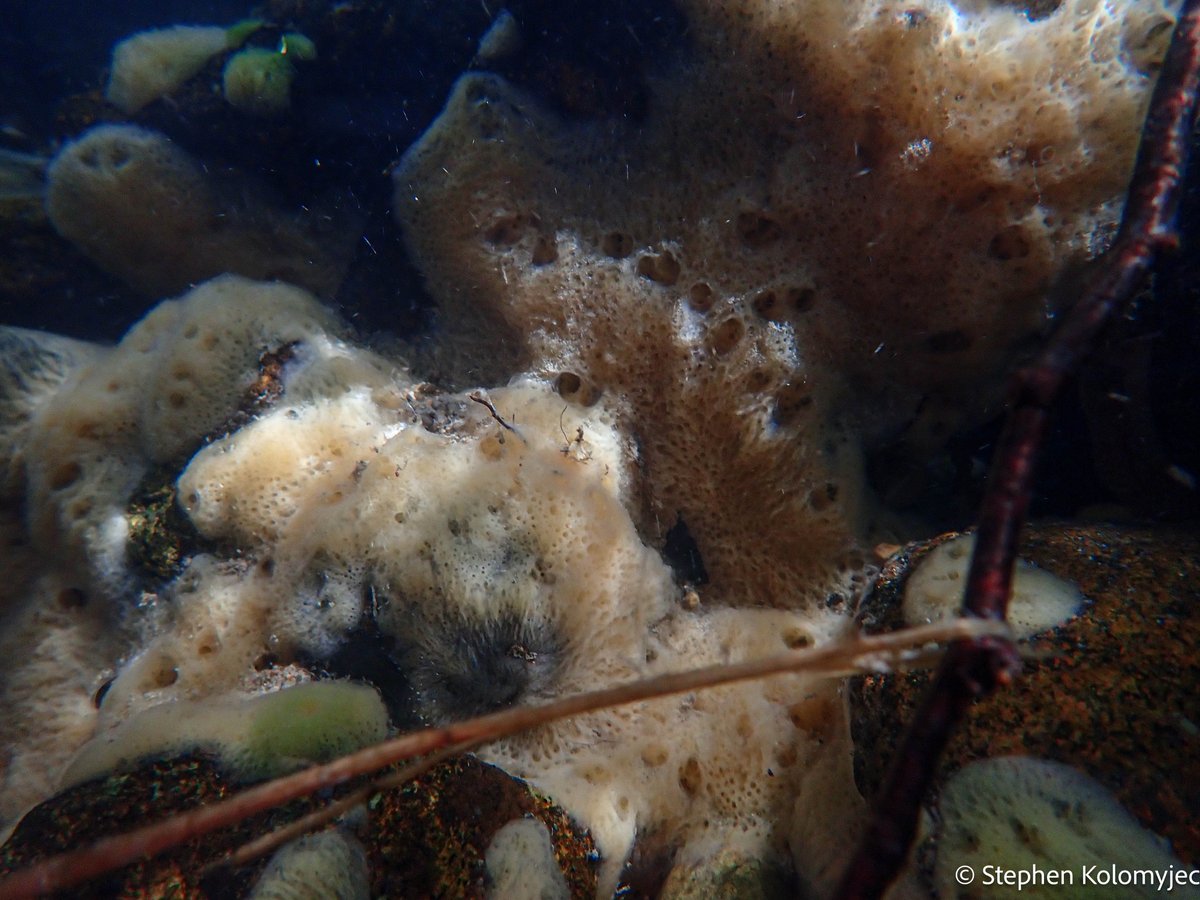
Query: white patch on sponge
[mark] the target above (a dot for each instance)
(934, 592)
(521, 864)
(1018, 812)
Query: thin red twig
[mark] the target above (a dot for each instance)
(976, 667)
(838, 659)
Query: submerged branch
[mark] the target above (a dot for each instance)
(974, 668)
(857, 654)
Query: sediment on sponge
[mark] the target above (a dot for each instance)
(161, 537)
(461, 668)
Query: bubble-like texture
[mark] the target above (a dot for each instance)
(865, 206)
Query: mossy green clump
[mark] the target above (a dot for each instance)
(297, 46)
(253, 739)
(310, 723)
(259, 81)
(237, 33)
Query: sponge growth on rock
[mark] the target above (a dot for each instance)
(665, 343)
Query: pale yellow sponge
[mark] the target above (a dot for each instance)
(143, 209)
(486, 536)
(329, 865)
(33, 364)
(58, 644)
(521, 864)
(247, 487)
(152, 64)
(1027, 827)
(456, 531)
(934, 592)
(176, 376)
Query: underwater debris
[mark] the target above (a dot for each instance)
(430, 837)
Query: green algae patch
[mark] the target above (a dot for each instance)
(254, 738)
(259, 81)
(311, 723)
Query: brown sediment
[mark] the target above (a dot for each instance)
(1112, 692)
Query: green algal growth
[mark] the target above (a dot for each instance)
(258, 81)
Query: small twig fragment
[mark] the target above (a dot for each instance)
(479, 398)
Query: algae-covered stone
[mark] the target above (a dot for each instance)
(116, 803)
(1111, 692)
(428, 837)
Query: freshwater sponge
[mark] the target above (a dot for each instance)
(1039, 600)
(175, 376)
(33, 365)
(1020, 812)
(152, 64)
(150, 243)
(865, 208)
(310, 723)
(328, 865)
(486, 538)
(254, 738)
(143, 209)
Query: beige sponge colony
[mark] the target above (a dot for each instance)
(836, 224)
(152, 64)
(329, 865)
(1019, 814)
(1039, 601)
(143, 209)
(177, 376)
